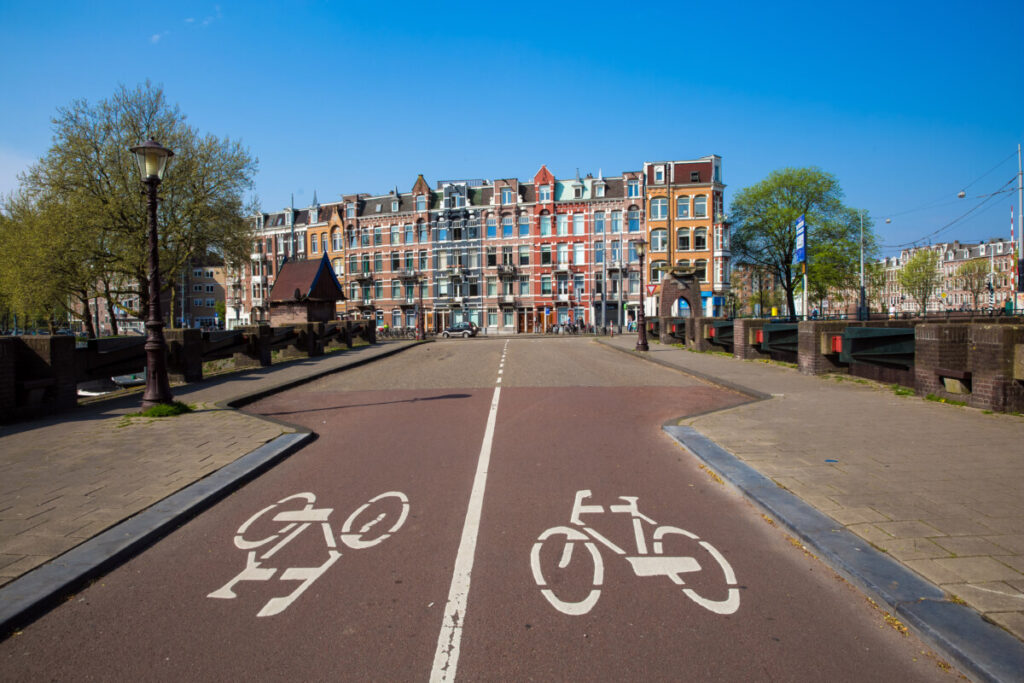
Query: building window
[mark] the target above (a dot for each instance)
(314, 244)
(507, 227)
(579, 256)
(659, 209)
(599, 222)
(545, 193)
(210, 303)
(563, 253)
(562, 225)
(577, 192)
(659, 240)
(441, 235)
(702, 269)
(424, 232)
(506, 195)
(394, 205)
(197, 288)
(616, 254)
(683, 207)
(524, 285)
(700, 207)
(339, 267)
(616, 222)
(421, 203)
(209, 289)
(197, 273)
(545, 226)
(524, 255)
(634, 282)
(350, 211)
(396, 234)
(683, 240)
(577, 224)
(524, 225)
(700, 239)
(657, 271)
(659, 174)
(545, 254)
(197, 303)
(598, 252)
(634, 220)
(598, 190)
(492, 227)
(633, 188)
(545, 285)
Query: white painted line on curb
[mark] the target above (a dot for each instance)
(446, 658)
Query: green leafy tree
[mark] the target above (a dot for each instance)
(874, 280)
(764, 217)
(973, 277)
(90, 177)
(919, 277)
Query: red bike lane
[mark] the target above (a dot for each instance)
(374, 613)
(785, 616)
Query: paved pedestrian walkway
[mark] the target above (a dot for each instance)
(938, 487)
(65, 479)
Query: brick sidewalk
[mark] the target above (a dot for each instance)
(67, 478)
(940, 488)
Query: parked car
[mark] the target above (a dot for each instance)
(463, 329)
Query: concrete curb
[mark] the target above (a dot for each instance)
(30, 596)
(980, 648)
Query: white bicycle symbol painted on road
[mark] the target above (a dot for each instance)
(644, 563)
(361, 530)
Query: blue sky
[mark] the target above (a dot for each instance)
(906, 103)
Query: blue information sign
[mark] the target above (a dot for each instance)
(801, 241)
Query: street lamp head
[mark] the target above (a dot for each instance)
(639, 246)
(961, 194)
(152, 158)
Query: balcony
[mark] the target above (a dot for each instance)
(560, 268)
(259, 279)
(506, 269)
(362, 277)
(409, 274)
(457, 300)
(366, 302)
(507, 299)
(615, 265)
(562, 297)
(256, 256)
(454, 271)
(409, 301)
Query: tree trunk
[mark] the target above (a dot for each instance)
(90, 330)
(110, 309)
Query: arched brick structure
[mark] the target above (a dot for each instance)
(679, 282)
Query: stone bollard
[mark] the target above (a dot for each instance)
(308, 341)
(744, 339)
(257, 352)
(184, 355)
(814, 346)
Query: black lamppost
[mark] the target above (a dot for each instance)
(152, 159)
(641, 338)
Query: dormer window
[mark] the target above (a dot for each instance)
(659, 174)
(421, 203)
(378, 208)
(394, 206)
(694, 176)
(506, 195)
(544, 195)
(633, 188)
(598, 190)
(350, 211)
(577, 192)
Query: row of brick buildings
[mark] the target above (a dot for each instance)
(508, 255)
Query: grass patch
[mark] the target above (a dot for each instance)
(901, 391)
(165, 410)
(940, 399)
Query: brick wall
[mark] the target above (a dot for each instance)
(812, 357)
(990, 357)
(939, 346)
(743, 331)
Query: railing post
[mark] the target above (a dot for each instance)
(257, 353)
(184, 354)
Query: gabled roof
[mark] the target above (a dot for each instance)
(420, 186)
(306, 280)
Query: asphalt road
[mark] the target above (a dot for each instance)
(478, 509)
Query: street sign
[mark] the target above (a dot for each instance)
(801, 241)
(651, 289)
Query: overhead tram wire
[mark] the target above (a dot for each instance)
(985, 200)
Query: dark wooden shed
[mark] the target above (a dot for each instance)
(305, 292)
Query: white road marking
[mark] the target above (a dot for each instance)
(446, 658)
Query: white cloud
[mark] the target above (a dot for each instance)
(156, 37)
(190, 20)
